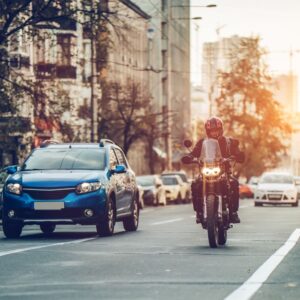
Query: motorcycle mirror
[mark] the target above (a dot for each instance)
(188, 143)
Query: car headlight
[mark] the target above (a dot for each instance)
(87, 187)
(211, 171)
(14, 188)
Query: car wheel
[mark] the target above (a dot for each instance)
(131, 223)
(11, 230)
(106, 227)
(47, 228)
(257, 204)
(179, 199)
(295, 204)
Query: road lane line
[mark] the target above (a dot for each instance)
(253, 284)
(4, 253)
(167, 221)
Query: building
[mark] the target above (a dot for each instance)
(217, 56)
(65, 62)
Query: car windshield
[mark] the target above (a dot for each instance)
(169, 180)
(277, 178)
(181, 175)
(65, 159)
(145, 180)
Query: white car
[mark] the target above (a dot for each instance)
(175, 189)
(276, 188)
(187, 191)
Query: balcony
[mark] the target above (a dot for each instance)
(66, 72)
(52, 71)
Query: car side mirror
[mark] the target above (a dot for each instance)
(119, 169)
(11, 169)
(158, 185)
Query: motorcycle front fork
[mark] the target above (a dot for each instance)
(223, 213)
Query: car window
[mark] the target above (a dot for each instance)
(169, 180)
(66, 159)
(181, 175)
(146, 180)
(277, 178)
(112, 159)
(120, 157)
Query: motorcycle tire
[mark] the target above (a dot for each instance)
(222, 235)
(212, 222)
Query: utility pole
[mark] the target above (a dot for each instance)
(169, 93)
(94, 100)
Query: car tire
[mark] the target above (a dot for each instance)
(47, 228)
(106, 227)
(131, 223)
(257, 204)
(295, 204)
(11, 230)
(179, 199)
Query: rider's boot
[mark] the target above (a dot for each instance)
(199, 217)
(234, 217)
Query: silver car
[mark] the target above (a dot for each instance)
(153, 189)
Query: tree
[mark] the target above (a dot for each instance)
(126, 116)
(249, 111)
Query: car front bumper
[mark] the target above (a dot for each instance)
(73, 209)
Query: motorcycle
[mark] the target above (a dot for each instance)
(214, 172)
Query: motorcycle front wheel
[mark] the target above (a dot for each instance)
(212, 221)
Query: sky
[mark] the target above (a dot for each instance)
(276, 22)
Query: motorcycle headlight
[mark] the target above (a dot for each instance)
(211, 171)
(14, 188)
(87, 187)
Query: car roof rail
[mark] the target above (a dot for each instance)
(105, 141)
(46, 143)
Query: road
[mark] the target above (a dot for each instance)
(168, 258)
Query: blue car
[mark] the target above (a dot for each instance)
(87, 184)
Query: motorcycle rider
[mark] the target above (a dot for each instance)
(229, 147)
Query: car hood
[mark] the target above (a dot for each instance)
(275, 186)
(64, 178)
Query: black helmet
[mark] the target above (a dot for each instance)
(214, 127)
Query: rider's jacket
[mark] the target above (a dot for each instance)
(228, 146)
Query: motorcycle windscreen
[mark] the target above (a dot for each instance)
(210, 152)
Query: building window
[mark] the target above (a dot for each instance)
(64, 45)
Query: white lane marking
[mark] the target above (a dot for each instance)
(253, 284)
(144, 211)
(167, 221)
(4, 253)
(247, 205)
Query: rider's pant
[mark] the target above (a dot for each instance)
(197, 194)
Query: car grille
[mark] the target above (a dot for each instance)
(48, 194)
(275, 197)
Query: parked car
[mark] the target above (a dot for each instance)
(3, 176)
(87, 184)
(175, 188)
(276, 188)
(187, 191)
(141, 197)
(245, 191)
(153, 190)
(252, 184)
(297, 182)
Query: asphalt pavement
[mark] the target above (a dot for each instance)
(167, 258)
